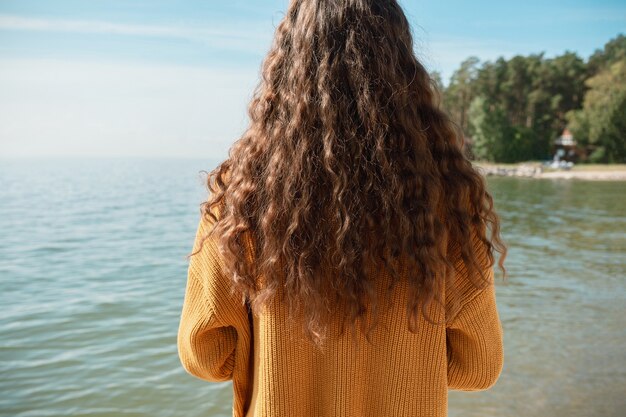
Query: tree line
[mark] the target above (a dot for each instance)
(513, 109)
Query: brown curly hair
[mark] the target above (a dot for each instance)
(348, 162)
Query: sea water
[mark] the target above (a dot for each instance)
(93, 273)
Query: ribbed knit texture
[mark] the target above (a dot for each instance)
(275, 373)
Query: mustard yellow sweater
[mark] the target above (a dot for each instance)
(275, 374)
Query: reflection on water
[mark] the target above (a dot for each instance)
(93, 271)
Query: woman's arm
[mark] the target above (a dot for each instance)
(206, 345)
(475, 344)
(214, 330)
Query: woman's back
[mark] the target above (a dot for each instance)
(275, 372)
(349, 181)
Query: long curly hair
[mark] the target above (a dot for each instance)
(348, 163)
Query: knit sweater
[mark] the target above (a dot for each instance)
(275, 373)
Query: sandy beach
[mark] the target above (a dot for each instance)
(602, 172)
(586, 175)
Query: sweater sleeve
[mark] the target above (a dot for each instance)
(214, 331)
(474, 342)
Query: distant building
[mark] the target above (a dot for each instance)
(566, 139)
(565, 148)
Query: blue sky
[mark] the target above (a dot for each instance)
(157, 78)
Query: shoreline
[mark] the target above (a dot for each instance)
(594, 172)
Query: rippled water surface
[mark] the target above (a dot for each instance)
(93, 269)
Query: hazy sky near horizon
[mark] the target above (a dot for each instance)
(157, 78)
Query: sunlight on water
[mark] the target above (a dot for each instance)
(93, 273)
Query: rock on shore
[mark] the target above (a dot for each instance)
(522, 170)
(538, 171)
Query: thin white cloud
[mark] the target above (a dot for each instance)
(252, 37)
(73, 108)
(442, 54)
(446, 54)
(580, 15)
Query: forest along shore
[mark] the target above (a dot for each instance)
(615, 172)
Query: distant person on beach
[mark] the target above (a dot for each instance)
(343, 264)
